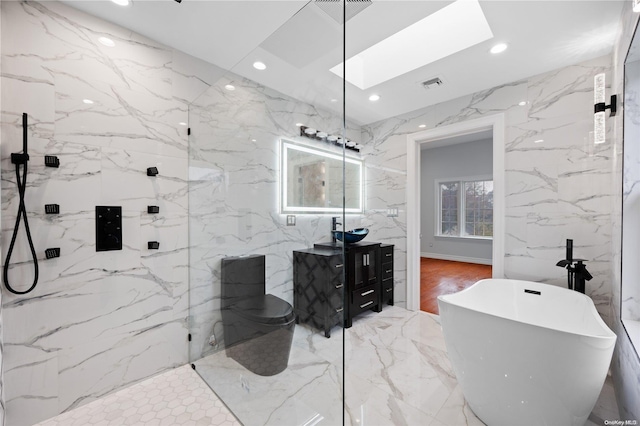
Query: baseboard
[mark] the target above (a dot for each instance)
(457, 258)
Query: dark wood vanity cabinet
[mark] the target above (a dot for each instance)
(386, 290)
(363, 280)
(318, 288)
(317, 282)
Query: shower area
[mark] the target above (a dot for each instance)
(184, 159)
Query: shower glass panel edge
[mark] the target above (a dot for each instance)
(236, 218)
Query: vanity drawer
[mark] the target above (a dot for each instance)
(335, 304)
(364, 298)
(386, 252)
(387, 287)
(387, 271)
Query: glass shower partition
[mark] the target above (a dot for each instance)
(248, 339)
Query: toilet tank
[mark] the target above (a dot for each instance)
(242, 276)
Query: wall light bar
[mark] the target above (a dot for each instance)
(599, 108)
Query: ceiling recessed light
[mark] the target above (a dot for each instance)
(374, 98)
(498, 48)
(539, 141)
(182, 123)
(422, 126)
(522, 103)
(121, 2)
(107, 41)
(253, 140)
(299, 124)
(334, 100)
(230, 87)
(87, 101)
(259, 65)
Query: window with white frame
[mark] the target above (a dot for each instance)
(465, 208)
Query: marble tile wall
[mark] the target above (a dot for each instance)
(555, 190)
(1, 339)
(233, 193)
(97, 321)
(626, 362)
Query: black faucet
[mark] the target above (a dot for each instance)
(577, 271)
(334, 224)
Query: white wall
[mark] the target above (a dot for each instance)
(1, 338)
(233, 193)
(454, 161)
(555, 190)
(96, 321)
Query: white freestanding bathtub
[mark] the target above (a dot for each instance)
(526, 353)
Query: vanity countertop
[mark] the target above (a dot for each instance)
(337, 246)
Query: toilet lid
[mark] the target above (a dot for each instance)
(265, 309)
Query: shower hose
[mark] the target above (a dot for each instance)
(21, 181)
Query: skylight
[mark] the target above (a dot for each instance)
(451, 29)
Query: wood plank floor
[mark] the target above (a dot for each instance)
(445, 277)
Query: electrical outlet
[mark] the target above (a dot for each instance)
(291, 220)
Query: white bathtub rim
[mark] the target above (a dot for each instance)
(607, 334)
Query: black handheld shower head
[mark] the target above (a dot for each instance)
(21, 159)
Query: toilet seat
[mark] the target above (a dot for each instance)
(264, 309)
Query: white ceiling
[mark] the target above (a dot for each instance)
(299, 42)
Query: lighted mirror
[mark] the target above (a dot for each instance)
(630, 289)
(311, 180)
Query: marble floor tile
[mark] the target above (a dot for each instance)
(397, 373)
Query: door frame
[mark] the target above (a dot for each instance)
(495, 123)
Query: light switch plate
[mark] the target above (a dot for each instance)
(291, 220)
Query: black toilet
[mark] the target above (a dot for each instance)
(258, 327)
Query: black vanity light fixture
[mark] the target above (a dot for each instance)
(319, 135)
(599, 108)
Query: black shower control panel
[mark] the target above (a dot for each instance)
(153, 209)
(152, 171)
(108, 228)
(50, 253)
(153, 245)
(52, 209)
(51, 161)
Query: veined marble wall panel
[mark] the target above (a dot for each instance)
(556, 189)
(97, 321)
(233, 194)
(626, 361)
(1, 338)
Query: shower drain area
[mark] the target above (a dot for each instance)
(175, 397)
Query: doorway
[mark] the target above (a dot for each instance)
(494, 125)
(456, 220)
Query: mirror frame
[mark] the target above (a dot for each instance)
(285, 208)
